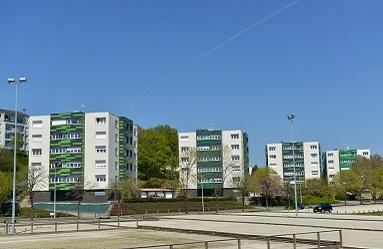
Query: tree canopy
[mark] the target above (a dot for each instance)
(157, 155)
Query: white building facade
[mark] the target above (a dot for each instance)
(341, 159)
(91, 149)
(7, 130)
(280, 158)
(214, 159)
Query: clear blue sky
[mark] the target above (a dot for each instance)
(322, 60)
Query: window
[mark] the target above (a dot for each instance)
(100, 149)
(315, 172)
(100, 178)
(72, 165)
(36, 152)
(100, 164)
(184, 137)
(100, 134)
(235, 158)
(116, 124)
(365, 153)
(101, 121)
(36, 166)
(74, 135)
(37, 137)
(330, 161)
(116, 151)
(184, 149)
(235, 146)
(273, 157)
(73, 150)
(37, 124)
(234, 136)
(236, 168)
(116, 165)
(330, 154)
(116, 138)
(272, 148)
(314, 155)
(184, 159)
(313, 147)
(58, 122)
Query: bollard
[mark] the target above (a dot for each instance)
(118, 221)
(6, 227)
(77, 225)
(206, 245)
(136, 223)
(239, 243)
(340, 238)
(318, 239)
(157, 211)
(146, 211)
(99, 224)
(32, 227)
(171, 246)
(268, 242)
(55, 226)
(168, 210)
(179, 210)
(294, 241)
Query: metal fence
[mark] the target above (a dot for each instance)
(70, 225)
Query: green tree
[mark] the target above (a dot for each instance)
(370, 171)
(348, 183)
(123, 190)
(267, 183)
(158, 154)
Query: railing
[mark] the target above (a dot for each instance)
(70, 225)
(204, 243)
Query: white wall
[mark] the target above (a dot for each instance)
(311, 152)
(332, 164)
(188, 139)
(44, 145)
(276, 163)
(90, 170)
(228, 152)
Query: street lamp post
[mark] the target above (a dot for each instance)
(290, 117)
(15, 81)
(203, 204)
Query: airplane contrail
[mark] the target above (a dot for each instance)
(213, 49)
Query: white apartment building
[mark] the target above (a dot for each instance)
(220, 156)
(279, 157)
(341, 159)
(7, 129)
(91, 149)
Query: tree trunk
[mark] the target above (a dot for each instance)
(267, 203)
(31, 201)
(78, 208)
(186, 201)
(243, 203)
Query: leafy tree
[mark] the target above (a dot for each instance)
(242, 184)
(158, 154)
(348, 182)
(123, 190)
(318, 187)
(187, 174)
(267, 183)
(370, 171)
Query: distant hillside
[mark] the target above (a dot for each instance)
(6, 170)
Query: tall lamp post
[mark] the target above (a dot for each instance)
(15, 82)
(291, 117)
